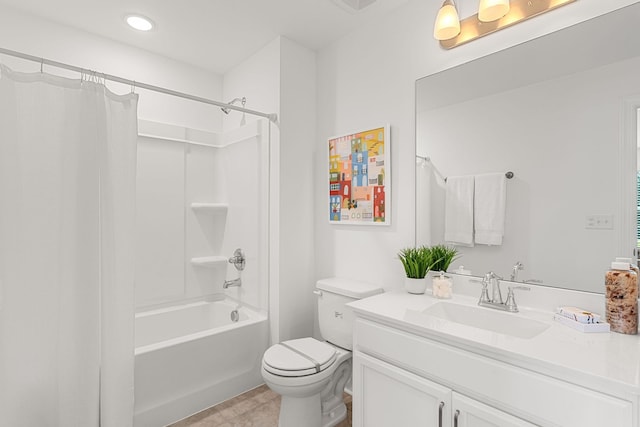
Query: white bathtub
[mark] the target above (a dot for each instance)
(193, 356)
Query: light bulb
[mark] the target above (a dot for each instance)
(491, 10)
(139, 22)
(447, 22)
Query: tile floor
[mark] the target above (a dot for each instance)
(259, 407)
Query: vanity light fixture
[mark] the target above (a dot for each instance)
(490, 10)
(493, 15)
(447, 22)
(139, 22)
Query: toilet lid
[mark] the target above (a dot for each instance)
(300, 357)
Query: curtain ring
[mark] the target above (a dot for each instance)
(41, 65)
(133, 86)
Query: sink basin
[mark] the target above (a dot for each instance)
(513, 324)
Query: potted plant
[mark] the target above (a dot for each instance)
(417, 263)
(442, 256)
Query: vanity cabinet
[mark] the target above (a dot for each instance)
(390, 396)
(468, 412)
(405, 379)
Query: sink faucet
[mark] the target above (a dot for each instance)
(514, 274)
(229, 283)
(493, 280)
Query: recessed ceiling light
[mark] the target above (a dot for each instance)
(139, 22)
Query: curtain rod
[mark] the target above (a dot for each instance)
(427, 159)
(135, 84)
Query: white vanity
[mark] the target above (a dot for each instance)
(418, 362)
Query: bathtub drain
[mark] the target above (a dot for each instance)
(235, 316)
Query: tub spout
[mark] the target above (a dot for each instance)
(229, 283)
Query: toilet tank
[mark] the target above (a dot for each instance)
(335, 319)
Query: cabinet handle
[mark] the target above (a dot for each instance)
(455, 418)
(440, 408)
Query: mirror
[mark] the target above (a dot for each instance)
(560, 112)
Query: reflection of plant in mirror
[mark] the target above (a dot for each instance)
(442, 256)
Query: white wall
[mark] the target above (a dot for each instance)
(280, 78)
(38, 37)
(367, 78)
(298, 126)
(258, 79)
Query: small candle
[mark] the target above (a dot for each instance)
(442, 286)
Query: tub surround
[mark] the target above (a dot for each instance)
(601, 368)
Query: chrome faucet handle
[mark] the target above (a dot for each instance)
(238, 259)
(511, 301)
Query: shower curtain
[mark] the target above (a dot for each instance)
(67, 194)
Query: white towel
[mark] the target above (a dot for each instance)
(458, 210)
(489, 210)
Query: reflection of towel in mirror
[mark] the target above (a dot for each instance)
(458, 210)
(489, 209)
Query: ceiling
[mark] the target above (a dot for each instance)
(212, 34)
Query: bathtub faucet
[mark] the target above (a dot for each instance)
(229, 283)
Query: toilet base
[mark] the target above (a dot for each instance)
(313, 404)
(335, 417)
(297, 411)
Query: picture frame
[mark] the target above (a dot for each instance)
(359, 177)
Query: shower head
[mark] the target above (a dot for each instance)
(243, 100)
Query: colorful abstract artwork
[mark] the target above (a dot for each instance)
(359, 178)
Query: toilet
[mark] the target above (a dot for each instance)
(309, 374)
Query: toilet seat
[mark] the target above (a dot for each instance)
(299, 357)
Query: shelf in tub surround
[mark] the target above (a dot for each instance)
(209, 261)
(209, 207)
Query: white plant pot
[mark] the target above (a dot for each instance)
(415, 286)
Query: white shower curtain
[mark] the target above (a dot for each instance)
(67, 195)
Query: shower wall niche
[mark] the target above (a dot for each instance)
(200, 196)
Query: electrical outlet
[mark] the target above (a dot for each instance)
(600, 222)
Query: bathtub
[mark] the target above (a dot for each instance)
(192, 356)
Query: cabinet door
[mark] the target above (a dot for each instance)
(471, 413)
(387, 396)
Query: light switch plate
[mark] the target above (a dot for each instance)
(600, 222)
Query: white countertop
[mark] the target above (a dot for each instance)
(606, 362)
